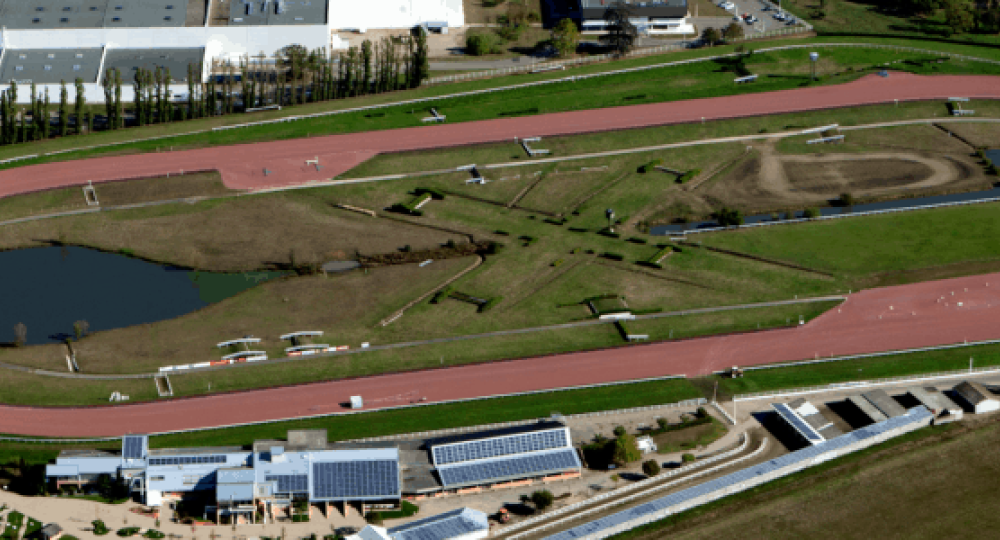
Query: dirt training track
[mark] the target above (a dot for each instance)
(921, 315)
(242, 166)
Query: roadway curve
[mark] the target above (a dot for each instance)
(242, 166)
(920, 315)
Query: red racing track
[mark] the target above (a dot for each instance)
(242, 166)
(925, 314)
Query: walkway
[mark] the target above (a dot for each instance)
(892, 318)
(243, 166)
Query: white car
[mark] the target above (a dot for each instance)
(728, 6)
(780, 16)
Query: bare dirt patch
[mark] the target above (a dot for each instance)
(979, 134)
(204, 184)
(825, 178)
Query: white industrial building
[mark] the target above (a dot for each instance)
(977, 397)
(151, 32)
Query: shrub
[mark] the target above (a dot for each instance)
(619, 431)
(441, 295)
(992, 169)
(811, 213)
(651, 467)
(557, 262)
(728, 217)
(687, 458)
(650, 264)
(626, 450)
(636, 240)
(643, 169)
(493, 248)
(100, 529)
(613, 256)
(128, 531)
(501, 233)
(609, 234)
(684, 178)
(542, 499)
(552, 221)
(482, 43)
(846, 199)
(435, 194)
(662, 422)
(153, 533)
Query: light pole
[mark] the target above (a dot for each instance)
(813, 57)
(611, 219)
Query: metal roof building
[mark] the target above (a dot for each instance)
(276, 12)
(979, 398)
(884, 403)
(944, 409)
(128, 61)
(53, 14)
(461, 524)
(43, 66)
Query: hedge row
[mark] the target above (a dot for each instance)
(490, 303)
(643, 169)
(613, 256)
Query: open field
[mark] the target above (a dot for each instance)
(763, 380)
(839, 499)
(779, 70)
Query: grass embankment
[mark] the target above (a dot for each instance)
(764, 380)
(778, 70)
(896, 248)
(839, 498)
(431, 417)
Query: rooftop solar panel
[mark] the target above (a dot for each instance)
(499, 446)
(800, 425)
(134, 447)
(481, 472)
(356, 480)
(600, 527)
(288, 483)
(187, 460)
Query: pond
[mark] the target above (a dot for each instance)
(48, 289)
(673, 228)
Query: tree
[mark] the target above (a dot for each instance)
(20, 334)
(168, 106)
(190, 96)
(621, 34)
(733, 31)
(565, 37)
(366, 63)
(63, 109)
(542, 499)
(626, 451)
(651, 467)
(119, 110)
(158, 81)
(80, 103)
(846, 199)
(108, 82)
(137, 90)
(959, 16)
(728, 217)
(620, 431)
(482, 43)
(710, 36)
(687, 458)
(80, 328)
(420, 66)
(811, 213)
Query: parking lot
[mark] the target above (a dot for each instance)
(765, 16)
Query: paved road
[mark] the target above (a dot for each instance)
(243, 166)
(920, 315)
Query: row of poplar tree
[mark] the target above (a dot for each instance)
(294, 75)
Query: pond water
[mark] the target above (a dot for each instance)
(50, 288)
(661, 230)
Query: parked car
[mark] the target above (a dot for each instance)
(751, 19)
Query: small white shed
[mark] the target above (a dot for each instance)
(977, 397)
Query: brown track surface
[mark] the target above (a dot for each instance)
(891, 318)
(242, 166)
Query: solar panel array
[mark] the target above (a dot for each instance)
(134, 447)
(187, 460)
(453, 524)
(482, 472)
(371, 479)
(288, 483)
(792, 418)
(501, 446)
(914, 415)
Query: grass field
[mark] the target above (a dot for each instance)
(868, 494)
(763, 380)
(779, 70)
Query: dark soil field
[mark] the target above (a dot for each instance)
(824, 178)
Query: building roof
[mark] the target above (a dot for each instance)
(51, 530)
(542, 425)
(442, 526)
(656, 9)
(354, 480)
(128, 61)
(501, 469)
(196, 451)
(371, 532)
(235, 475)
(935, 401)
(276, 12)
(974, 392)
(49, 66)
(869, 410)
(52, 14)
(234, 492)
(884, 402)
